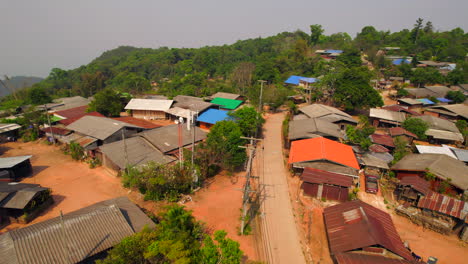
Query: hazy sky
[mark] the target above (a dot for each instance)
(36, 36)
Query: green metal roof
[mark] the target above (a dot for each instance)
(55, 118)
(226, 103)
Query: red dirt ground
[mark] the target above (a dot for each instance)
(218, 206)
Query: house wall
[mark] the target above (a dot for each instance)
(429, 113)
(329, 192)
(148, 114)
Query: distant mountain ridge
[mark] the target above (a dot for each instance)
(17, 83)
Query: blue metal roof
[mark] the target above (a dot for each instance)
(294, 79)
(333, 51)
(400, 61)
(211, 116)
(425, 101)
(443, 100)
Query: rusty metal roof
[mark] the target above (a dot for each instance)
(320, 176)
(384, 140)
(351, 258)
(80, 235)
(444, 204)
(417, 183)
(378, 148)
(354, 225)
(398, 131)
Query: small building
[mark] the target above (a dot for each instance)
(196, 104)
(410, 103)
(71, 102)
(76, 237)
(301, 81)
(15, 168)
(227, 104)
(55, 132)
(400, 108)
(328, 155)
(384, 140)
(312, 128)
(211, 116)
(134, 151)
(452, 112)
(325, 185)
(9, 130)
(224, 95)
(401, 132)
(441, 131)
(359, 228)
(136, 122)
(166, 138)
(386, 118)
(445, 169)
(328, 113)
(436, 150)
(22, 202)
(69, 116)
(149, 108)
(104, 130)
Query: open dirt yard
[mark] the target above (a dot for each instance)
(74, 185)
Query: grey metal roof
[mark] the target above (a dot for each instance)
(462, 154)
(410, 101)
(166, 138)
(420, 92)
(139, 152)
(439, 123)
(226, 95)
(21, 198)
(372, 161)
(192, 103)
(455, 109)
(177, 111)
(98, 127)
(441, 165)
(8, 127)
(387, 115)
(439, 91)
(79, 235)
(70, 102)
(436, 150)
(9, 162)
(323, 111)
(327, 166)
(312, 127)
(444, 135)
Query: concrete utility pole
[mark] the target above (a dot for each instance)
(261, 95)
(50, 126)
(247, 190)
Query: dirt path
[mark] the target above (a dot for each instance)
(279, 229)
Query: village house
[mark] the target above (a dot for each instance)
(441, 131)
(452, 112)
(187, 107)
(399, 108)
(22, 202)
(322, 184)
(69, 116)
(96, 131)
(449, 174)
(328, 113)
(224, 95)
(401, 132)
(150, 109)
(9, 130)
(303, 82)
(226, 104)
(312, 128)
(57, 133)
(15, 168)
(409, 103)
(89, 231)
(328, 155)
(211, 116)
(386, 118)
(383, 140)
(358, 228)
(134, 152)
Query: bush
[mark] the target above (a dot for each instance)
(416, 126)
(76, 151)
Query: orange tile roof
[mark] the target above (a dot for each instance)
(322, 149)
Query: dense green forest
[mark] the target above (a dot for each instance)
(237, 67)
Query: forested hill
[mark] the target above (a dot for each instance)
(237, 67)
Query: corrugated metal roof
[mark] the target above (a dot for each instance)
(212, 116)
(137, 122)
(230, 104)
(399, 108)
(56, 130)
(326, 112)
(21, 198)
(136, 150)
(8, 127)
(439, 123)
(436, 150)
(416, 183)
(384, 140)
(410, 101)
(82, 234)
(195, 104)
(443, 100)
(444, 204)
(149, 104)
(98, 127)
(387, 115)
(441, 165)
(320, 176)
(9, 162)
(226, 95)
(166, 138)
(313, 127)
(456, 109)
(378, 148)
(444, 135)
(371, 161)
(355, 225)
(325, 149)
(355, 258)
(398, 131)
(71, 102)
(180, 112)
(462, 154)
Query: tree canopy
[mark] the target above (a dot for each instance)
(416, 126)
(106, 102)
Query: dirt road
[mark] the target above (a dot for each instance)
(279, 231)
